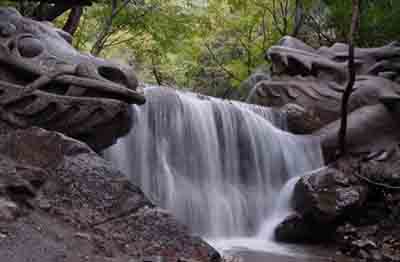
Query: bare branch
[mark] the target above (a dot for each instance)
(102, 37)
(230, 74)
(352, 78)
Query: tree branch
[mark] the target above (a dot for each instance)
(352, 79)
(230, 74)
(299, 18)
(54, 11)
(102, 37)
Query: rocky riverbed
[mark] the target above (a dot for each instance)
(353, 206)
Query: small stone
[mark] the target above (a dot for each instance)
(376, 255)
(83, 235)
(348, 228)
(44, 205)
(363, 254)
(8, 210)
(154, 259)
(364, 243)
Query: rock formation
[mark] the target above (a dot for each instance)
(59, 200)
(314, 80)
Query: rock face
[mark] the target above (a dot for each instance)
(61, 202)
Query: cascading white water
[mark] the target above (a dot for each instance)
(218, 166)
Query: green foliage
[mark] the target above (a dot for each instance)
(379, 21)
(209, 46)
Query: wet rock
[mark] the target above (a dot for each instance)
(295, 229)
(327, 195)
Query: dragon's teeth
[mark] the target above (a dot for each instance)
(285, 60)
(307, 64)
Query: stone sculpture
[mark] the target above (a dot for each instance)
(45, 82)
(308, 83)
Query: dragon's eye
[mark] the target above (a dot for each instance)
(30, 47)
(7, 29)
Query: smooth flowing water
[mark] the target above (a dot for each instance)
(218, 166)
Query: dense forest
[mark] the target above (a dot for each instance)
(212, 46)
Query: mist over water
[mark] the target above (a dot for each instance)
(218, 166)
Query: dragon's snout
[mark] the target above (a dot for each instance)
(45, 82)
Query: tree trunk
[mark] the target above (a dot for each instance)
(352, 79)
(298, 18)
(74, 18)
(49, 12)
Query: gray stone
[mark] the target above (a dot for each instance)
(326, 195)
(45, 82)
(314, 79)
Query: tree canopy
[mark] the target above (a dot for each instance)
(210, 46)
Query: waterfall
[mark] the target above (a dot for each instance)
(217, 165)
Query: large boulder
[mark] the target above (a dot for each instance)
(296, 229)
(321, 200)
(60, 201)
(327, 195)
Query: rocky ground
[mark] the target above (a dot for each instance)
(373, 233)
(61, 202)
(354, 205)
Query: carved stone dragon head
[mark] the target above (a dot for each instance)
(315, 78)
(45, 82)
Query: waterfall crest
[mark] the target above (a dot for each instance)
(217, 165)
